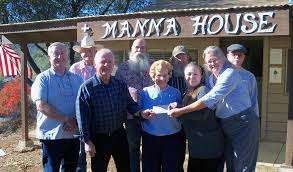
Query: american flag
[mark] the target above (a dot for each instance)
(10, 64)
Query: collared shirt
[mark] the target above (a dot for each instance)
(135, 81)
(161, 124)
(83, 70)
(60, 92)
(229, 95)
(249, 80)
(102, 108)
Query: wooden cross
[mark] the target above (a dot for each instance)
(85, 28)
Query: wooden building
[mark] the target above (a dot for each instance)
(266, 30)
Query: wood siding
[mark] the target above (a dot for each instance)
(277, 97)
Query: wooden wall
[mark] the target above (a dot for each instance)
(275, 98)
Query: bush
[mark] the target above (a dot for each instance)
(10, 98)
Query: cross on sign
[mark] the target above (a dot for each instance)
(85, 28)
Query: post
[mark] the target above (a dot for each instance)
(289, 140)
(25, 142)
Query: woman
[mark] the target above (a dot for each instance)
(233, 106)
(203, 132)
(162, 139)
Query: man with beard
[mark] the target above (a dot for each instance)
(135, 73)
(178, 60)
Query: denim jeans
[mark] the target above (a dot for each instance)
(133, 129)
(57, 151)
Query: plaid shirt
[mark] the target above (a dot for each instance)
(102, 108)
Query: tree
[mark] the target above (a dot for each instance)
(32, 10)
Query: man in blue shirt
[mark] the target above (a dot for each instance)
(54, 91)
(236, 55)
(101, 109)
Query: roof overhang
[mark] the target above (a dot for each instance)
(65, 30)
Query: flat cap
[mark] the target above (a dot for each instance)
(237, 47)
(180, 49)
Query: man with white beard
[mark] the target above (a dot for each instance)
(135, 73)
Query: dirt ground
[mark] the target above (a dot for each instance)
(29, 161)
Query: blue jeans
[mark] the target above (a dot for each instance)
(57, 151)
(133, 129)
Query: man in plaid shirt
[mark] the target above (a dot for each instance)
(101, 109)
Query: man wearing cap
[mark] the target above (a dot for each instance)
(135, 73)
(178, 60)
(84, 68)
(236, 56)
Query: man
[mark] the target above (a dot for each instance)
(236, 56)
(179, 60)
(86, 69)
(54, 91)
(87, 49)
(101, 109)
(135, 73)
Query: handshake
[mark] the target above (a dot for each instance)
(150, 113)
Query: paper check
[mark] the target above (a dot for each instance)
(160, 109)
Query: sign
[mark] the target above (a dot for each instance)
(275, 56)
(260, 23)
(276, 75)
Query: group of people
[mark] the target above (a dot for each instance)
(153, 105)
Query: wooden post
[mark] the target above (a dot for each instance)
(289, 140)
(24, 110)
(24, 143)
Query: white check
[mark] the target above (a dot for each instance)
(160, 109)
